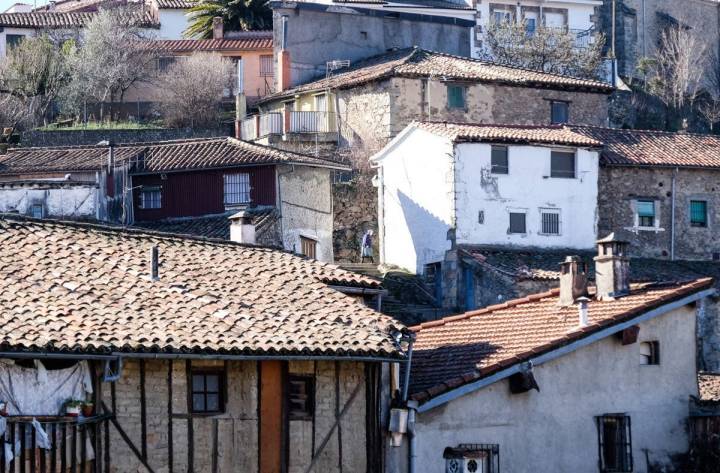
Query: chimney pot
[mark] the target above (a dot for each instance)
(242, 228)
(218, 28)
(573, 280)
(612, 268)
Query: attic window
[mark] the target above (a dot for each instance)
(650, 353)
(301, 397)
(150, 198)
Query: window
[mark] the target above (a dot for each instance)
(698, 213)
(499, 160)
(456, 96)
(503, 15)
(207, 392)
(472, 458)
(150, 198)
(266, 65)
(530, 26)
(517, 222)
(321, 103)
(12, 40)
(559, 112)
(164, 63)
(646, 213)
(308, 247)
(615, 443)
(562, 164)
(237, 188)
(36, 211)
(550, 221)
(650, 353)
(301, 397)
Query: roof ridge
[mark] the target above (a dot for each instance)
(648, 131)
(130, 144)
(491, 125)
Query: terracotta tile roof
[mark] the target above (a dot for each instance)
(176, 4)
(86, 288)
(154, 157)
(218, 226)
(654, 148)
(54, 19)
(536, 264)
(462, 132)
(416, 62)
(254, 41)
(709, 387)
(460, 349)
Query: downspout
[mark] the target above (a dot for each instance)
(672, 217)
(381, 214)
(412, 409)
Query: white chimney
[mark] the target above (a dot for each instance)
(242, 228)
(583, 320)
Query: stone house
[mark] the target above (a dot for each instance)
(197, 355)
(368, 104)
(555, 372)
(182, 186)
(443, 185)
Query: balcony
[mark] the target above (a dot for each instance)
(289, 123)
(583, 38)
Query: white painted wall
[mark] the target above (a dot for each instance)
(554, 430)
(579, 11)
(416, 187)
(71, 202)
(172, 24)
(11, 31)
(305, 203)
(526, 188)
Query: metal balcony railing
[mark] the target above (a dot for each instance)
(247, 129)
(310, 122)
(271, 124)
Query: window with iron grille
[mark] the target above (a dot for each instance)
(456, 96)
(615, 443)
(237, 188)
(517, 223)
(472, 458)
(301, 397)
(646, 213)
(499, 160)
(308, 247)
(550, 221)
(266, 65)
(698, 213)
(150, 198)
(208, 392)
(562, 164)
(650, 353)
(559, 112)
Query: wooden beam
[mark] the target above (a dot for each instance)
(191, 431)
(170, 416)
(143, 411)
(128, 441)
(337, 413)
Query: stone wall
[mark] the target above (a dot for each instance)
(620, 187)
(355, 211)
(229, 442)
(92, 137)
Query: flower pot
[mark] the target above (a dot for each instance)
(87, 410)
(72, 411)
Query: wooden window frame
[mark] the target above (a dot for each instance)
(624, 458)
(566, 104)
(696, 223)
(221, 392)
(149, 203)
(640, 216)
(499, 168)
(562, 174)
(309, 383)
(653, 358)
(463, 91)
(304, 241)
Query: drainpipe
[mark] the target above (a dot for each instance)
(672, 216)
(381, 213)
(412, 435)
(406, 383)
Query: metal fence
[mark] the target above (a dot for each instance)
(271, 124)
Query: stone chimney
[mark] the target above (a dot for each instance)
(242, 228)
(283, 65)
(573, 280)
(218, 28)
(612, 268)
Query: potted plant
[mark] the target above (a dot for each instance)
(72, 407)
(87, 408)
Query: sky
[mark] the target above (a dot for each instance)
(5, 4)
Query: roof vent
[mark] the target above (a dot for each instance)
(583, 319)
(154, 263)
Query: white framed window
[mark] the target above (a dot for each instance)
(645, 213)
(150, 198)
(550, 223)
(236, 188)
(562, 164)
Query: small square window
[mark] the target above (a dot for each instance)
(646, 213)
(36, 211)
(698, 213)
(236, 188)
(499, 160)
(308, 247)
(517, 223)
(150, 198)
(559, 112)
(301, 397)
(562, 164)
(650, 353)
(456, 96)
(207, 392)
(550, 221)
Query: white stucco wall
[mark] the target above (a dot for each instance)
(11, 31)
(70, 202)
(554, 430)
(172, 24)
(416, 191)
(305, 203)
(526, 188)
(579, 11)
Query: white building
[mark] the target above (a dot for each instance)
(172, 16)
(443, 185)
(555, 383)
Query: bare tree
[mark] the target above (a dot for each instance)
(192, 89)
(552, 50)
(676, 71)
(112, 57)
(32, 75)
